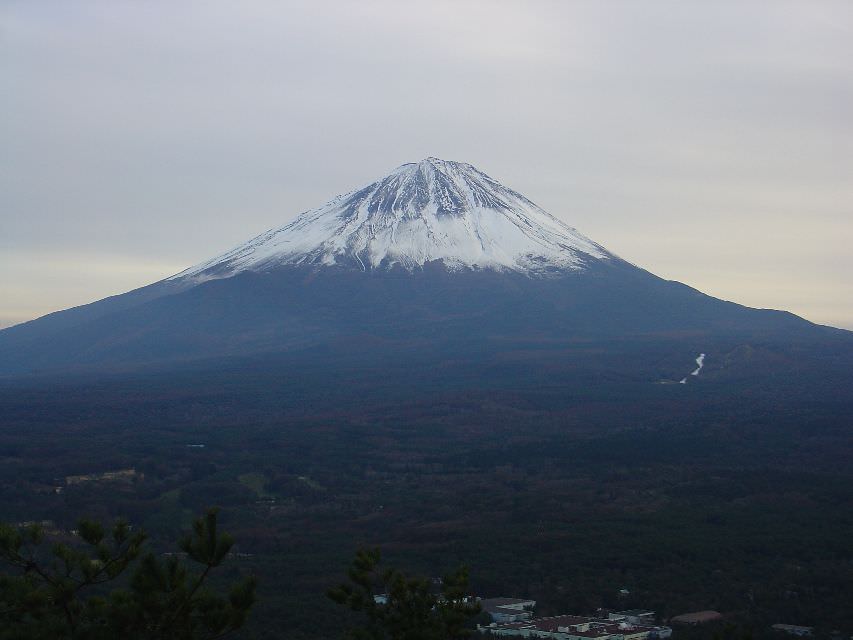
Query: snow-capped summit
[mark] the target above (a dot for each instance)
(433, 210)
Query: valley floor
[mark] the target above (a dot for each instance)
(565, 486)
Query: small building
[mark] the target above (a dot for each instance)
(570, 627)
(794, 630)
(633, 616)
(508, 609)
(697, 617)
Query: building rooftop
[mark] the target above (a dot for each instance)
(592, 627)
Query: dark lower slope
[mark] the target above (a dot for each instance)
(32, 333)
(292, 309)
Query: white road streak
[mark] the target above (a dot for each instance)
(700, 362)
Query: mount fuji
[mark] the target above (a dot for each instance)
(435, 258)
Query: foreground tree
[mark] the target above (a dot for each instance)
(408, 609)
(63, 594)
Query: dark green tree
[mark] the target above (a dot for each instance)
(63, 592)
(409, 609)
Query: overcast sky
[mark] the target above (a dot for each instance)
(709, 142)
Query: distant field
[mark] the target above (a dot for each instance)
(550, 480)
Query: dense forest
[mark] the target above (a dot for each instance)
(577, 477)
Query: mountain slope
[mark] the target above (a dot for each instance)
(435, 256)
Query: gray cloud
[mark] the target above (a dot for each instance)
(708, 142)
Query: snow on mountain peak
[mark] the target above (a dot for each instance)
(432, 210)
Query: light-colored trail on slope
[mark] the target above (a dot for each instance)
(700, 362)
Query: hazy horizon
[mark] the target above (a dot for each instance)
(709, 144)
